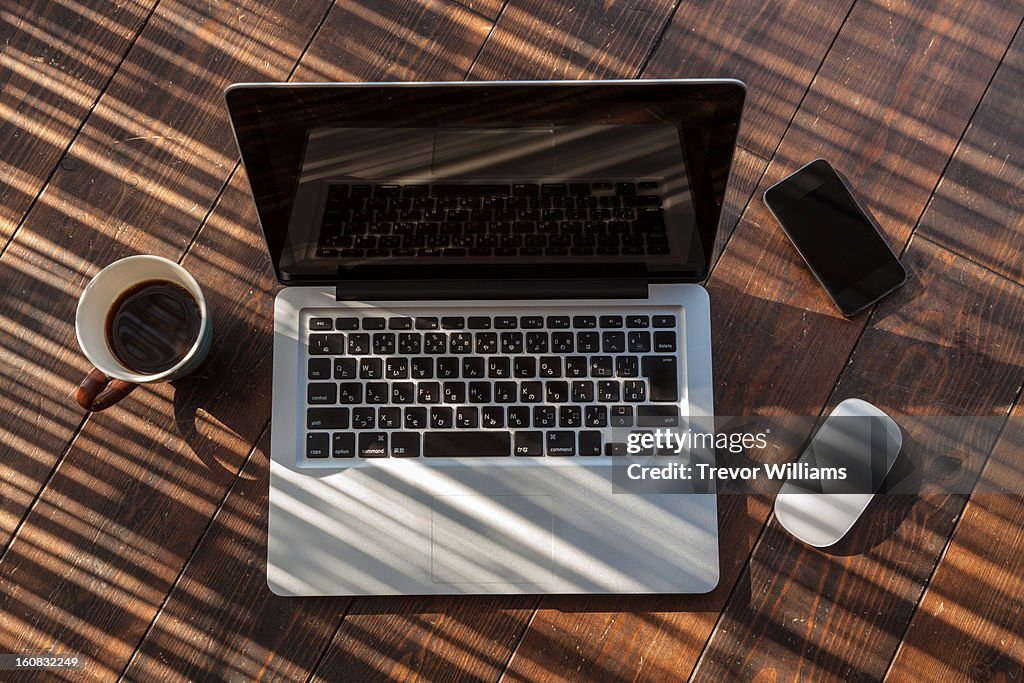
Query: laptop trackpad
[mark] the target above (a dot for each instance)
(487, 539)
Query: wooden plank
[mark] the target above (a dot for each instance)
(489, 9)
(774, 47)
(96, 554)
(220, 621)
(987, 225)
(890, 127)
(55, 59)
(537, 39)
(800, 612)
(746, 174)
(970, 621)
(138, 179)
(228, 258)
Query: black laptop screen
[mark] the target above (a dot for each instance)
(488, 180)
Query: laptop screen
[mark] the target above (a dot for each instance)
(469, 180)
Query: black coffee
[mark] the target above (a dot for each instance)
(152, 326)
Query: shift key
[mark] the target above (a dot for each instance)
(662, 375)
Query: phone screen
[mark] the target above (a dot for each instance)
(834, 235)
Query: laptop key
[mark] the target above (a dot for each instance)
(639, 342)
(401, 392)
(590, 443)
(601, 366)
(582, 391)
(657, 416)
(467, 417)
(596, 416)
(621, 416)
(529, 444)
(428, 392)
(415, 418)
(612, 321)
(664, 341)
(400, 323)
(561, 443)
(384, 343)
(426, 323)
(344, 368)
(664, 321)
(608, 391)
(319, 368)
(376, 392)
(543, 416)
(492, 417)
(364, 418)
(634, 391)
(389, 418)
(448, 367)
(358, 344)
(343, 445)
(327, 344)
(627, 366)
(570, 416)
(662, 375)
(466, 444)
(518, 417)
(473, 368)
(576, 366)
(525, 367)
(405, 445)
(373, 323)
(505, 392)
(613, 342)
(637, 321)
(346, 323)
(410, 343)
(327, 418)
(422, 368)
(479, 392)
(371, 368)
(321, 392)
(530, 392)
(321, 324)
(373, 445)
(396, 368)
(454, 392)
(318, 445)
(350, 392)
(453, 323)
(478, 322)
(441, 417)
(587, 322)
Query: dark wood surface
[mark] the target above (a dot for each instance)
(137, 537)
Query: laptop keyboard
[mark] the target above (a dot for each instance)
(485, 384)
(494, 219)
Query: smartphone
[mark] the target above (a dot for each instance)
(837, 238)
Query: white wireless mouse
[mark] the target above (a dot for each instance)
(839, 473)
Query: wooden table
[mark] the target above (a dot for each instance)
(137, 537)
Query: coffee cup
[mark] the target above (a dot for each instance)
(140, 320)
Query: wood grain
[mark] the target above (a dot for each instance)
(773, 47)
(97, 553)
(800, 612)
(970, 620)
(489, 9)
(55, 60)
(220, 621)
(228, 257)
(979, 208)
(778, 344)
(536, 39)
(139, 178)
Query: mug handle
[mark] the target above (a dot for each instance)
(98, 392)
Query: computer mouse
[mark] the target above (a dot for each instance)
(838, 474)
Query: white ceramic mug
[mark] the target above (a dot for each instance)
(110, 380)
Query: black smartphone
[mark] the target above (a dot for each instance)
(840, 242)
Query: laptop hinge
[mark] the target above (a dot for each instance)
(432, 290)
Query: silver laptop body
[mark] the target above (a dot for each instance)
(489, 286)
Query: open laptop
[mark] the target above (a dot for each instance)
(488, 284)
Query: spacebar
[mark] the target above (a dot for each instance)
(466, 444)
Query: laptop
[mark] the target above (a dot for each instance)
(487, 287)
